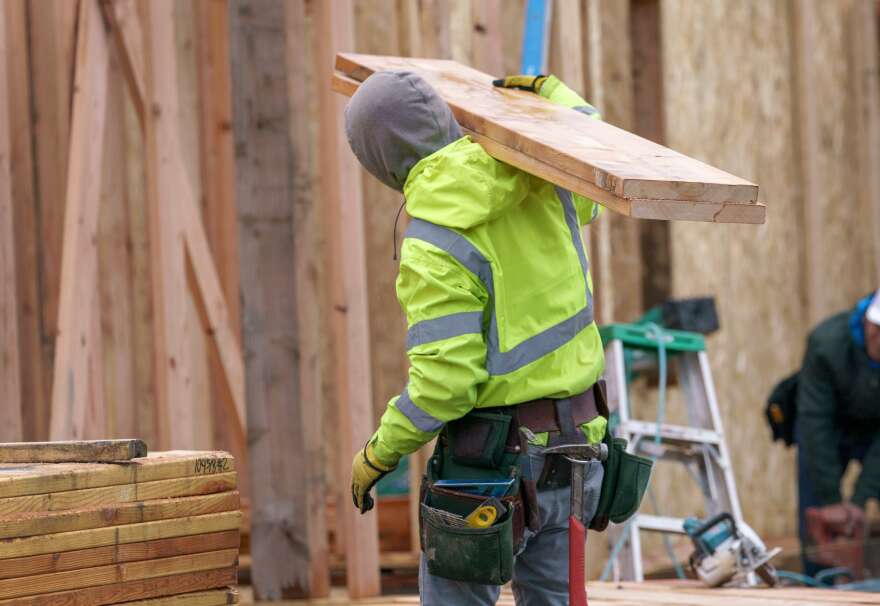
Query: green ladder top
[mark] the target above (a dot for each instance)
(639, 336)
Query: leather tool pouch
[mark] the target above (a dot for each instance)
(462, 553)
(623, 485)
(478, 439)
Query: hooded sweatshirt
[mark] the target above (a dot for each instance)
(494, 278)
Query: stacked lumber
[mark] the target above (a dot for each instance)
(156, 530)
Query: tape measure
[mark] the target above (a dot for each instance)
(482, 517)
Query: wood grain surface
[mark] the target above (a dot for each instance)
(117, 514)
(132, 590)
(608, 164)
(108, 575)
(27, 479)
(119, 535)
(86, 451)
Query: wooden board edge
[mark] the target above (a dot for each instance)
(127, 591)
(709, 212)
(740, 208)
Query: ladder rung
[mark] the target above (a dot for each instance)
(646, 521)
(672, 433)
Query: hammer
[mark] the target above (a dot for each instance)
(578, 455)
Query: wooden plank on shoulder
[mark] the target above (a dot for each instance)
(120, 493)
(620, 165)
(120, 535)
(82, 451)
(132, 590)
(116, 554)
(116, 514)
(23, 479)
(10, 372)
(79, 264)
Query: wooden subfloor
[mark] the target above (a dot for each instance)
(650, 593)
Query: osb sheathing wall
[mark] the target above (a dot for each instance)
(730, 87)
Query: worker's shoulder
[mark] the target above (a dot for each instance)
(831, 335)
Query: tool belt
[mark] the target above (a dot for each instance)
(487, 445)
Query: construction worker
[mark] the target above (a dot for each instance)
(838, 420)
(494, 281)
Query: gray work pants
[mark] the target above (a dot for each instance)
(540, 572)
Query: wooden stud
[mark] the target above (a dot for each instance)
(288, 533)
(40, 479)
(48, 563)
(126, 29)
(115, 291)
(165, 182)
(217, 163)
(53, 34)
(119, 535)
(74, 346)
(96, 451)
(109, 575)
(117, 493)
(649, 121)
(34, 383)
(801, 26)
(866, 78)
(118, 593)
(10, 378)
(344, 239)
(116, 514)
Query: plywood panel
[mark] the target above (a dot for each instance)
(761, 335)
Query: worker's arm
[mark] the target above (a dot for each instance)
(868, 484)
(555, 91)
(818, 434)
(444, 306)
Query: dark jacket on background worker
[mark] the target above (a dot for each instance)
(838, 407)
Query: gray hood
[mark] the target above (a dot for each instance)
(394, 120)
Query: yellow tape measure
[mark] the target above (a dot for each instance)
(482, 517)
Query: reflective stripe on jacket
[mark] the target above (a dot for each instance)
(494, 281)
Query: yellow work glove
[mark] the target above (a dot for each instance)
(366, 470)
(521, 82)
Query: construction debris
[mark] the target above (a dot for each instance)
(97, 533)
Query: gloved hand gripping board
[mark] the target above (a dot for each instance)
(622, 171)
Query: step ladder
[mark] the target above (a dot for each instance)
(700, 445)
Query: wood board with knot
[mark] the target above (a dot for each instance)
(626, 173)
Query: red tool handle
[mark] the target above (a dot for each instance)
(577, 586)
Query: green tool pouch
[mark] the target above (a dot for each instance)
(462, 553)
(623, 486)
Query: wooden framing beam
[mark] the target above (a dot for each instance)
(344, 238)
(53, 34)
(125, 27)
(35, 385)
(10, 377)
(176, 230)
(72, 393)
(801, 27)
(866, 95)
